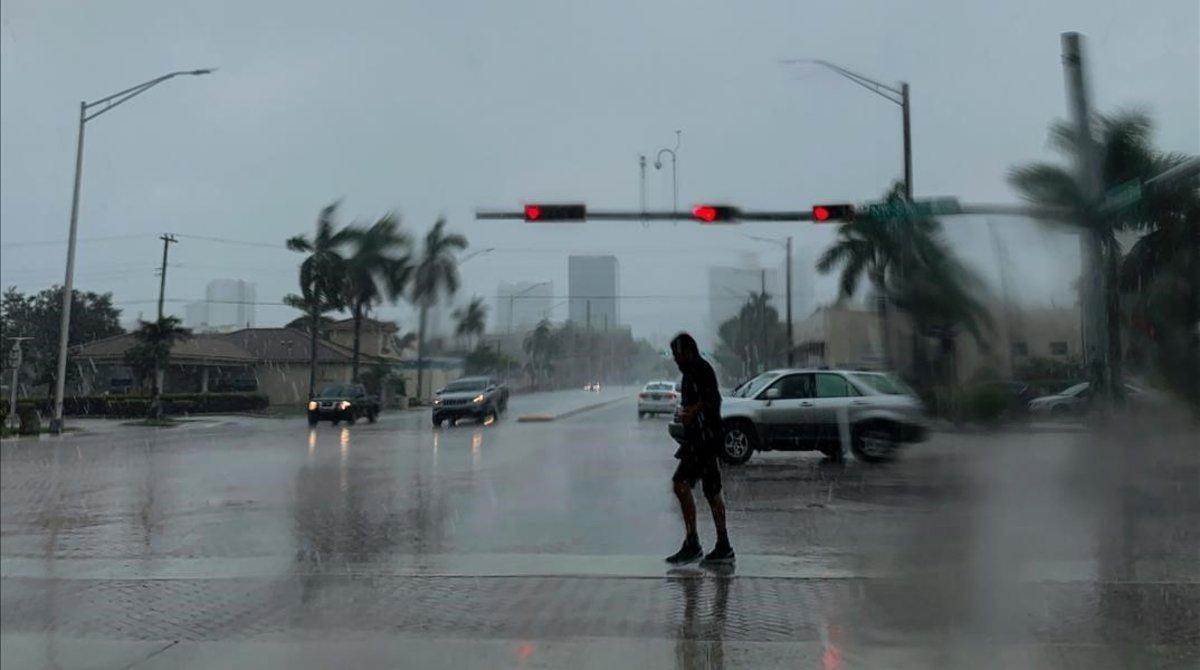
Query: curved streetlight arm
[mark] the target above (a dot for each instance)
(658, 157)
(781, 243)
(120, 97)
(882, 90)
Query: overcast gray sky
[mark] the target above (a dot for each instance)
(438, 108)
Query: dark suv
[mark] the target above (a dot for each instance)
(340, 402)
(481, 398)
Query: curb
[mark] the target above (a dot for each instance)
(541, 418)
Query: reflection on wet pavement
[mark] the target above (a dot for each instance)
(1018, 550)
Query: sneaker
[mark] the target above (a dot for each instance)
(690, 551)
(722, 553)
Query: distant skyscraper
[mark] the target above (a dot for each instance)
(593, 288)
(195, 315)
(230, 304)
(522, 305)
(729, 287)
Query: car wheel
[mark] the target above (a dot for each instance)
(437, 421)
(740, 443)
(334, 422)
(372, 416)
(312, 421)
(874, 443)
(641, 415)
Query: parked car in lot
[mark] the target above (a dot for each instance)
(811, 410)
(592, 386)
(1077, 400)
(343, 402)
(480, 398)
(660, 397)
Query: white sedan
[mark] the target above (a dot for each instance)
(661, 397)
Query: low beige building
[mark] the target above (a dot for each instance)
(839, 336)
(847, 336)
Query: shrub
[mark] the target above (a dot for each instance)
(139, 405)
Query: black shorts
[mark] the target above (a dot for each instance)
(698, 464)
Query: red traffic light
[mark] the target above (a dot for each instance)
(543, 212)
(824, 213)
(715, 213)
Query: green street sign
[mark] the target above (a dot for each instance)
(888, 211)
(1122, 196)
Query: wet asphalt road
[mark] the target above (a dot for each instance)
(239, 541)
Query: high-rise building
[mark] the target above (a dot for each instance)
(521, 305)
(230, 304)
(729, 287)
(593, 290)
(195, 315)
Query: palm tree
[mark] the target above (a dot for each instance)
(151, 353)
(542, 345)
(874, 251)
(472, 320)
(435, 274)
(1126, 153)
(753, 339)
(322, 273)
(911, 269)
(374, 271)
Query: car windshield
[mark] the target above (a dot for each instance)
(1075, 390)
(339, 391)
(880, 384)
(466, 385)
(752, 387)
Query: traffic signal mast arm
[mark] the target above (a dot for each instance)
(835, 213)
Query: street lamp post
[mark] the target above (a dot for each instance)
(674, 170)
(898, 96)
(105, 104)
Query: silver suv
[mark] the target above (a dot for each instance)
(819, 410)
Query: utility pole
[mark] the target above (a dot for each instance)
(762, 318)
(15, 360)
(642, 184)
(1094, 294)
(908, 172)
(168, 240)
(589, 342)
(791, 342)
(156, 402)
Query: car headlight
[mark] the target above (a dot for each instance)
(478, 399)
(345, 404)
(437, 401)
(312, 404)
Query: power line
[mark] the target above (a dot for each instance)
(110, 238)
(227, 240)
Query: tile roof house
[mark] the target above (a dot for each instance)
(273, 361)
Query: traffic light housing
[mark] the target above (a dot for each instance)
(830, 213)
(543, 212)
(715, 214)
